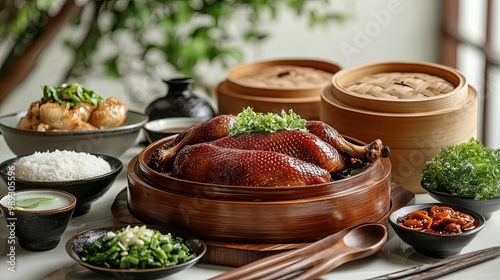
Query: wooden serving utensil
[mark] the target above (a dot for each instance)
(317, 258)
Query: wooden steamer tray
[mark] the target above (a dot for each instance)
(410, 105)
(238, 254)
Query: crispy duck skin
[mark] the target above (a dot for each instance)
(208, 163)
(219, 127)
(302, 145)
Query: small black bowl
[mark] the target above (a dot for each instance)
(485, 208)
(38, 229)
(432, 244)
(86, 191)
(77, 242)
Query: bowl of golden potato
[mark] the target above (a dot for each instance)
(72, 117)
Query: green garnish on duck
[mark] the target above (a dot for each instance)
(72, 94)
(249, 121)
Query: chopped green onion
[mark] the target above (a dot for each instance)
(136, 248)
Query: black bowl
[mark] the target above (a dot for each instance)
(86, 191)
(77, 242)
(38, 229)
(485, 208)
(432, 244)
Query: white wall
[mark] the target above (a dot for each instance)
(377, 30)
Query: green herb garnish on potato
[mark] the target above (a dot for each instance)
(467, 169)
(73, 94)
(249, 121)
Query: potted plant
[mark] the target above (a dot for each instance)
(162, 35)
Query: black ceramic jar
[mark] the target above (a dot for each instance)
(179, 102)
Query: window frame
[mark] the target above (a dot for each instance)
(451, 39)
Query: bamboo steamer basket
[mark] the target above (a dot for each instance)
(249, 214)
(415, 129)
(286, 78)
(275, 85)
(233, 103)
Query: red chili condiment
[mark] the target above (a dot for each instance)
(438, 220)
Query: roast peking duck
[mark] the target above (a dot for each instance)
(209, 163)
(298, 144)
(209, 153)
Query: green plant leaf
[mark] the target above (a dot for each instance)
(112, 67)
(176, 22)
(33, 202)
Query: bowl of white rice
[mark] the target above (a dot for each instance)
(85, 175)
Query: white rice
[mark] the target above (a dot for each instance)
(60, 166)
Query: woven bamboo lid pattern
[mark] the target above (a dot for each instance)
(401, 85)
(289, 76)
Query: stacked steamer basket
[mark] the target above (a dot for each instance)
(275, 85)
(414, 108)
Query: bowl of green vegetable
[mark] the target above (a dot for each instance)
(135, 251)
(465, 174)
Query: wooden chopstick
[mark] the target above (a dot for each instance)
(444, 266)
(275, 262)
(304, 263)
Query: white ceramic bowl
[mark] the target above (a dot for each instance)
(161, 128)
(109, 141)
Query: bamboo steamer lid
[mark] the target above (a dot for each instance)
(275, 85)
(415, 129)
(233, 103)
(400, 87)
(282, 78)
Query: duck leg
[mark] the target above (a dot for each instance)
(208, 130)
(370, 152)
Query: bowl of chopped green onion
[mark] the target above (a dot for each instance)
(135, 251)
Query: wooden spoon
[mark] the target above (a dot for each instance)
(357, 242)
